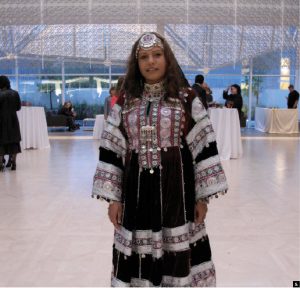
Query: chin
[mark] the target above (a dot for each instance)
(154, 79)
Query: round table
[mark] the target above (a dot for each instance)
(33, 128)
(226, 124)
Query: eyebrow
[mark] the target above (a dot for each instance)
(153, 51)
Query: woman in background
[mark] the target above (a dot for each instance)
(110, 101)
(68, 111)
(114, 93)
(10, 135)
(234, 99)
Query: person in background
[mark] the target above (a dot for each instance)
(293, 98)
(110, 101)
(119, 86)
(234, 99)
(10, 135)
(68, 111)
(209, 97)
(200, 91)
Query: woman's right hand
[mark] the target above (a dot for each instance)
(115, 210)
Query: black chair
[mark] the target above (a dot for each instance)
(55, 120)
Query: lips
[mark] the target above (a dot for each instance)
(151, 69)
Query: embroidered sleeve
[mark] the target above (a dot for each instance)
(108, 177)
(210, 178)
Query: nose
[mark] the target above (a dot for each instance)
(151, 59)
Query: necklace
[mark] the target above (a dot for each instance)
(153, 92)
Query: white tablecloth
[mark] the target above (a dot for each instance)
(33, 128)
(98, 127)
(276, 120)
(226, 124)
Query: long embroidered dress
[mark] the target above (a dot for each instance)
(158, 157)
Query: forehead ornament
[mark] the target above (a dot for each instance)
(148, 41)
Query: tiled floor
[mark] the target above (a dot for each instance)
(53, 234)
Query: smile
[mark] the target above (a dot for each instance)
(151, 69)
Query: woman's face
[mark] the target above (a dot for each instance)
(113, 92)
(152, 64)
(233, 90)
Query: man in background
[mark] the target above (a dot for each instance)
(199, 89)
(293, 98)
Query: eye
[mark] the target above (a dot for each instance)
(158, 54)
(142, 57)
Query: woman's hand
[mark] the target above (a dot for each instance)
(200, 212)
(115, 210)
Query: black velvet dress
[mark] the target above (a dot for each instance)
(10, 135)
(158, 157)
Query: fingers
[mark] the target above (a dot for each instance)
(115, 215)
(119, 215)
(200, 214)
(113, 219)
(199, 219)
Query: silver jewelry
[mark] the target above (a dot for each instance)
(147, 41)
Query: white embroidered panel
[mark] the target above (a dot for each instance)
(114, 116)
(108, 181)
(155, 243)
(115, 282)
(198, 110)
(112, 139)
(203, 275)
(209, 177)
(200, 136)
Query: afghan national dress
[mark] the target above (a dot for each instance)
(158, 156)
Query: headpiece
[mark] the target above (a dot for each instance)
(148, 41)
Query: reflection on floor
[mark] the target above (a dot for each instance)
(53, 234)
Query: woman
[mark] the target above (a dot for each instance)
(68, 111)
(10, 135)
(158, 167)
(114, 93)
(234, 100)
(110, 101)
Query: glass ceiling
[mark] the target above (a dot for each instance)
(203, 34)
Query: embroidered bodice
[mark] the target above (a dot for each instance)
(153, 124)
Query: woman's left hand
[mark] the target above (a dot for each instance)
(200, 212)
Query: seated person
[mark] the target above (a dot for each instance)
(293, 98)
(68, 110)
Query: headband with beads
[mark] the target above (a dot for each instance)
(148, 41)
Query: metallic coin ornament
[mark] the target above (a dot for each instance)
(147, 41)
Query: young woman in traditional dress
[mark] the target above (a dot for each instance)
(158, 168)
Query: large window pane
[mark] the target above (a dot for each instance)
(87, 94)
(7, 66)
(43, 91)
(267, 92)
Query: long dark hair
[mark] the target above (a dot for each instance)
(238, 88)
(134, 81)
(4, 82)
